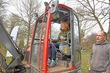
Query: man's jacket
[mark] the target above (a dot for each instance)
(100, 57)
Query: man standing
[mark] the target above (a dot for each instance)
(100, 56)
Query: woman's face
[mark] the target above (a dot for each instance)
(62, 27)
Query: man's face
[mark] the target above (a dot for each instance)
(100, 37)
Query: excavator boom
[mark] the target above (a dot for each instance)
(15, 65)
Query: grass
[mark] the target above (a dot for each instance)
(3, 52)
(85, 61)
(8, 59)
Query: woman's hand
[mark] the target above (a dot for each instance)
(89, 68)
(62, 38)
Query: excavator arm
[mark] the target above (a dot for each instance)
(17, 56)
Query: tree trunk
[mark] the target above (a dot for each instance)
(99, 23)
(28, 36)
(108, 34)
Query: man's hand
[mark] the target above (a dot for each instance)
(103, 72)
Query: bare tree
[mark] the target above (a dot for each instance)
(2, 8)
(95, 12)
(108, 35)
(88, 41)
(13, 21)
(26, 10)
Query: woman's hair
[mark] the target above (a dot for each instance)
(65, 25)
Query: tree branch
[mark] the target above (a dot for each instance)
(102, 1)
(83, 5)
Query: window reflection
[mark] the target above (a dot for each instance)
(55, 30)
(37, 45)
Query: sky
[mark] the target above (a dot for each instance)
(12, 9)
(96, 29)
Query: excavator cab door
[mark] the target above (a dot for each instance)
(75, 42)
(37, 45)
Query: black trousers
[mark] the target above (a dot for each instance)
(92, 71)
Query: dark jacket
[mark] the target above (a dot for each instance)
(100, 57)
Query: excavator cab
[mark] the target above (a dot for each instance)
(47, 28)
